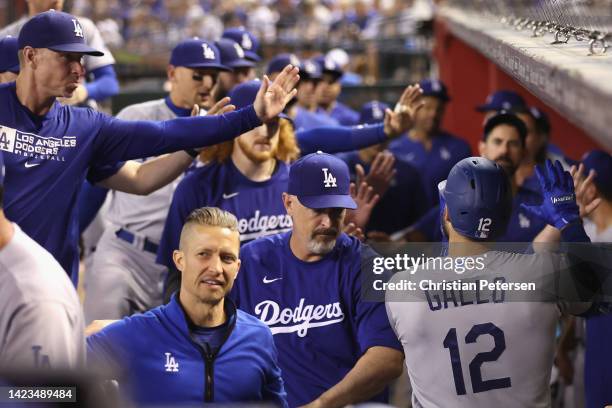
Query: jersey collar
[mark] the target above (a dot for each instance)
(180, 112)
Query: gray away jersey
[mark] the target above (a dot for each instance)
(143, 215)
(92, 38)
(497, 353)
(41, 324)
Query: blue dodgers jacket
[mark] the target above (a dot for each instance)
(160, 363)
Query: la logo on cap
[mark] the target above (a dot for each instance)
(328, 179)
(239, 50)
(208, 53)
(246, 42)
(78, 30)
(376, 111)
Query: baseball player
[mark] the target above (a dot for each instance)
(303, 111)
(41, 323)
(198, 348)
(504, 143)
(50, 149)
(328, 92)
(466, 348)
(124, 277)
(102, 80)
(429, 149)
(334, 348)
(398, 183)
(247, 41)
(243, 69)
(9, 63)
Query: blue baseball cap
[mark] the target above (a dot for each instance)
(372, 112)
(246, 40)
(541, 119)
(320, 180)
(329, 66)
(601, 162)
(280, 61)
(9, 55)
(57, 31)
(435, 88)
(244, 95)
(196, 53)
(232, 54)
(310, 70)
(503, 100)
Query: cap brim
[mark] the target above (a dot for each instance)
(250, 55)
(241, 63)
(77, 47)
(14, 69)
(205, 65)
(328, 201)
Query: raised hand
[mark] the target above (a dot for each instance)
(381, 173)
(272, 97)
(352, 229)
(219, 108)
(587, 202)
(401, 118)
(558, 206)
(366, 199)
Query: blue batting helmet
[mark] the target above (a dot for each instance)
(478, 196)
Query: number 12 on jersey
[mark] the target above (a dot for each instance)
(478, 384)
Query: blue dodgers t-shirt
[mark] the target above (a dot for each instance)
(48, 157)
(321, 327)
(402, 204)
(435, 164)
(342, 113)
(257, 205)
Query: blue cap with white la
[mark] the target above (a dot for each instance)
(9, 55)
(329, 66)
(196, 53)
(280, 61)
(320, 180)
(232, 54)
(503, 100)
(372, 112)
(246, 40)
(57, 31)
(435, 88)
(310, 70)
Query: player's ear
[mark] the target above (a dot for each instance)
(481, 148)
(287, 201)
(171, 72)
(179, 259)
(28, 54)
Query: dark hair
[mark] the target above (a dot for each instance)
(505, 118)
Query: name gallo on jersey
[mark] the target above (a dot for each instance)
(262, 225)
(28, 144)
(299, 319)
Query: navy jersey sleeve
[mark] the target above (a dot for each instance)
(124, 140)
(184, 201)
(370, 318)
(103, 351)
(274, 388)
(336, 139)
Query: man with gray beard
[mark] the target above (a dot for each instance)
(335, 349)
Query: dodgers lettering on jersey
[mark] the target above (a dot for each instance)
(485, 350)
(320, 325)
(257, 205)
(435, 164)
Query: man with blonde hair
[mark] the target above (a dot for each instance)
(191, 348)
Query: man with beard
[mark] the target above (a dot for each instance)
(335, 349)
(431, 150)
(503, 143)
(124, 278)
(198, 348)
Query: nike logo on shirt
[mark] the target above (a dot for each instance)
(266, 280)
(28, 165)
(226, 196)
